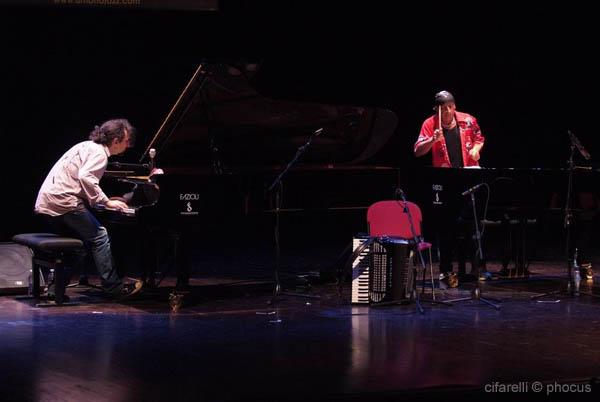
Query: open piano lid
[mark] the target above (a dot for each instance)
(221, 117)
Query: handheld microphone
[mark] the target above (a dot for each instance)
(472, 189)
(400, 192)
(318, 132)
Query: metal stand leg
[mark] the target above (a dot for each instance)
(476, 292)
(278, 291)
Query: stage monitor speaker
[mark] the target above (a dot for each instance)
(16, 262)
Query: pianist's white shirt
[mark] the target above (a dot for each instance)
(74, 180)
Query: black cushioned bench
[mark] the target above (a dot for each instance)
(49, 250)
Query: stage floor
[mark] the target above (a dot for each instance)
(226, 344)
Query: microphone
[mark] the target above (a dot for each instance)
(151, 154)
(318, 132)
(472, 189)
(400, 192)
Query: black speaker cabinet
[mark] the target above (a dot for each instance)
(16, 262)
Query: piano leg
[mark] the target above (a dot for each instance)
(507, 246)
(521, 266)
(462, 249)
(150, 257)
(182, 254)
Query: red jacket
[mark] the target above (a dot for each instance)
(470, 134)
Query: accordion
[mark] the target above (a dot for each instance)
(380, 272)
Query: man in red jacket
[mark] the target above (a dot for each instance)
(455, 141)
(453, 137)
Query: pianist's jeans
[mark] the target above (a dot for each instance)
(83, 225)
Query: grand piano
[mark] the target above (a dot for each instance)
(223, 143)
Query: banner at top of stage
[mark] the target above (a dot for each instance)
(191, 5)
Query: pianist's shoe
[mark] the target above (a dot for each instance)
(128, 290)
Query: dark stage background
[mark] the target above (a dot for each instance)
(527, 74)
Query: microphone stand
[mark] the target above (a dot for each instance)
(568, 221)
(277, 187)
(476, 292)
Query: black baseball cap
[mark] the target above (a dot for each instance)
(443, 97)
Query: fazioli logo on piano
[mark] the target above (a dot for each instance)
(187, 206)
(189, 197)
(437, 189)
(188, 209)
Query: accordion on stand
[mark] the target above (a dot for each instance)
(381, 271)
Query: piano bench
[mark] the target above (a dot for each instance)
(49, 250)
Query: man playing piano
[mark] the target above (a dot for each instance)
(72, 188)
(455, 141)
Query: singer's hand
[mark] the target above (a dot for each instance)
(116, 204)
(437, 135)
(474, 154)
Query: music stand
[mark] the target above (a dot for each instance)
(276, 186)
(568, 221)
(476, 292)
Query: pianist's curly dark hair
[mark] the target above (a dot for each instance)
(113, 129)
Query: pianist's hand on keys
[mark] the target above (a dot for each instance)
(117, 204)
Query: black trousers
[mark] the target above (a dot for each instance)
(453, 228)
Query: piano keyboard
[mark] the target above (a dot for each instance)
(128, 211)
(131, 212)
